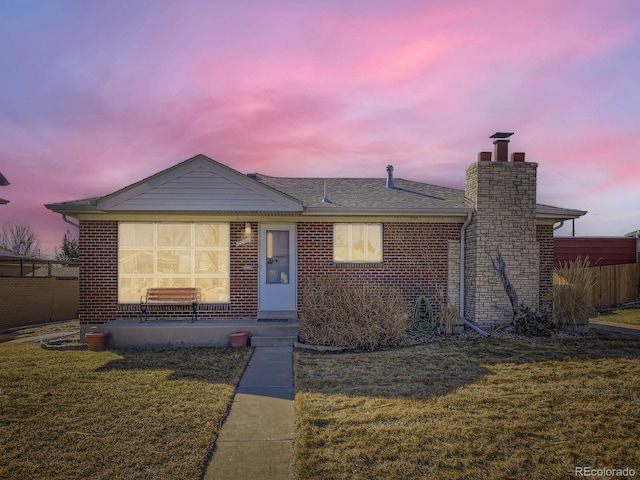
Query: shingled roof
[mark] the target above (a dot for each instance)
(200, 183)
(367, 194)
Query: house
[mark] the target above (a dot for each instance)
(600, 250)
(250, 242)
(3, 183)
(636, 234)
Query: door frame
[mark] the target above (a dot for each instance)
(290, 307)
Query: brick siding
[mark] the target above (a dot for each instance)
(545, 241)
(415, 257)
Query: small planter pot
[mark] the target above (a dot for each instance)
(239, 339)
(97, 341)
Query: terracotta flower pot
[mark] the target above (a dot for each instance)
(97, 341)
(239, 339)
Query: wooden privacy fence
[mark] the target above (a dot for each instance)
(615, 284)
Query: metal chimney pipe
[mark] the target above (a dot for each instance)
(501, 146)
(502, 150)
(390, 177)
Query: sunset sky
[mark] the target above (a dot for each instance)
(96, 95)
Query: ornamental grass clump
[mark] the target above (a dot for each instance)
(572, 287)
(339, 312)
(449, 319)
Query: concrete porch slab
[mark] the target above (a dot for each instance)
(130, 333)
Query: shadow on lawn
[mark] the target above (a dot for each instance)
(216, 365)
(440, 368)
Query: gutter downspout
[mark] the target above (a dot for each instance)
(463, 238)
(559, 226)
(65, 219)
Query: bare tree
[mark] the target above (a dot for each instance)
(510, 290)
(69, 248)
(20, 239)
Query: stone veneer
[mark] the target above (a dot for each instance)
(503, 195)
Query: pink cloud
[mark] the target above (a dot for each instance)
(102, 97)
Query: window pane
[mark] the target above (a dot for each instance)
(131, 290)
(174, 261)
(212, 235)
(213, 290)
(341, 242)
(135, 235)
(357, 242)
(277, 256)
(212, 263)
(136, 261)
(174, 282)
(174, 234)
(374, 243)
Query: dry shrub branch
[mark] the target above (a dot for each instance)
(572, 287)
(339, 312)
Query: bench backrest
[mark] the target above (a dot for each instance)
(172, 295)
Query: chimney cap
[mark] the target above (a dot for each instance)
(502, 135)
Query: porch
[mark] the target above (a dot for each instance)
(130, 333)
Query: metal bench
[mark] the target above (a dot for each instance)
(186, 296)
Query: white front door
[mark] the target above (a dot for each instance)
(277, 293)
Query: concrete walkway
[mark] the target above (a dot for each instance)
(256, 440)
(615, 327)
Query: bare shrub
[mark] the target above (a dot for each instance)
(533, 322)
(449, 319)
(572, 287)
(339, 312)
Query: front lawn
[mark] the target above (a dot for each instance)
(471, 409)
(112, 415)
(629, 316)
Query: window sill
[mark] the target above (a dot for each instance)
(358, 264)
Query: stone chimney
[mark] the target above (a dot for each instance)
(503, 195)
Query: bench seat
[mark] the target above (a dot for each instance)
(186, 296)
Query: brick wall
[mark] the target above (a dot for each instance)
(545, 241)
(504, 197)
(29, 301)
(415, 257)
(98, 250)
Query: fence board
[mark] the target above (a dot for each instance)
(615, 284)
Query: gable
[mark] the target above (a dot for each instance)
(199, 184)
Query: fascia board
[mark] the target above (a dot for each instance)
(339, 211)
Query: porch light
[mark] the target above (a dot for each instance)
(247, 229)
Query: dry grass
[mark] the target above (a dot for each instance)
(112, 415)
(572, 287)
(339, 312)
(449, 319)
(628, 316)
(476, 409)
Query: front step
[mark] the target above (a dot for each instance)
(273, 340)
